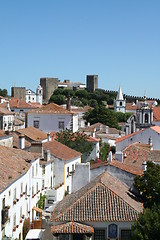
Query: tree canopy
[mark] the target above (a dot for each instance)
(76, 141)
(3, 92)
(148, 185)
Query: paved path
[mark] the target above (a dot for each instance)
(47, 233)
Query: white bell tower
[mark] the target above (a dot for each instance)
(120, 102)
(39, 94)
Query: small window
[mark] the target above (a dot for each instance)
(32, 190)
(68, 189)
(14, 194)
(67, 170)
(36, 124)
(99, 234)
(14, 220)
(61, 125)
(21, 212)
(43, 183)
(32, 171)
(120, 103)
(36, 169)
(9, 193)
(21, 187)
(72, 167)
(37, 187)
(43, 169)
(125, 234)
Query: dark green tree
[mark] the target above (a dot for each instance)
(147, 227)
(76, 141)
(58, 99)
(3, 92)
(148, 185)
(104, 151)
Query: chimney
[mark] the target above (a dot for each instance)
(21, 141)
(119, 156)
(8, 107)
(144, 166)
(107, 128)
(48, 136)
(36, 147)
(110, 156)
(68, 103)
(47, 155)
(150, 142)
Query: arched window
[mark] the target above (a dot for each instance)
(120, 103)
(146, 118)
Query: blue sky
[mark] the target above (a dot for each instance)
(117, 39)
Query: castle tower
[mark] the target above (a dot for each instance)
(39, 94)
(120, 102)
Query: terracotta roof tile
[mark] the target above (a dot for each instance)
(127, 136)
(51, 108)
(13, 165)
(72, 227)
(16, 141)
(105, 199)
(156, 114)
(131, 106)
(4, 111)
(60, 150)
(33, 133)
(156, 129)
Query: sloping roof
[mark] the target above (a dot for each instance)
(60, 150)
(2, 134)
(5, 111)
(154, 156)
(134, 155)
(13, 165)
(127, 136)
(119, 95)
(105, 199)
(131, 106)
(156, 114)
(72, 227)
(16, 141)
(156, 129)
(51, 108)
(33, 133)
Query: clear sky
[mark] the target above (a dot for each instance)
(117, 39)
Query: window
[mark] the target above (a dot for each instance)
(36, 169)
(99, 234)
(68, 189)
(36, 124)
(14, 194)
(14, 220)
(125, 234)
(37, 187)
(21, 187)
(32, 171)
(21, 212)
(32, 190)
(42, 183)
(120, 103)
(67, 170)
(26, 189)
(146, 118)
(9, 193)
(72, 167)
(61, 125)
(43, 169)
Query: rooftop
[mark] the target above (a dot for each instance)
(60, 150)
(13, 165)
(105, 199)
(51, 108)
(33, 133)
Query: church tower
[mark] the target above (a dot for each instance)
(39, 94)
(120, 102)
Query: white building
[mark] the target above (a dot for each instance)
(65, 160)
(52, 118)
(120, 102)
(6, 119)
(32, 97)
(22, 179)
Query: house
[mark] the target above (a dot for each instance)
(150, 135)
(52, 118)
(32, 97)
(6, 139)
(6, 119)
(103, 209)
(65, 160)
(20, 187)
(132, 161)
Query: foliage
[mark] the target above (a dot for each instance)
(3, 92)
(41, 201)
(122, 117)
(148, 225)
(26, 227)
(58, 99)
(149, 185)
(76, 141)
(113, 149)
(81, 94)
(104, 151)
(103, 115)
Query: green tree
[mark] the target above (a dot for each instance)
(147, 227)
(148, 185)
(76, 141)
(41, 201)
(81, 94)
(103, 115)
(3, 92)
(58, 99)
(104, 151)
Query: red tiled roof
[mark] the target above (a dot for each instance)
(72, 227)
(126, 168)
(156, 114)
(16, 141)
(131, 106)
(33, 133)
(156, 129)
(105, 199)
(60, 150)
(13, 165)
(51, 108)
(5, 111)
(127, 136)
